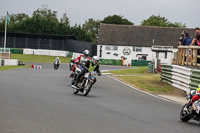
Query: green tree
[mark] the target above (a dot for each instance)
(161, 21)
(116, 19)
(64, 25)
(44, 21)
(16, 21)
(177, 24)
(79, 33)
(91, 27)
(155, 21)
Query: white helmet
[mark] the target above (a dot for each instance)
(57, 58)
(95, 59)
(86, 53)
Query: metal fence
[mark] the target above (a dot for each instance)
(51, 42)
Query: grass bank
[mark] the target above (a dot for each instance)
(39, 58)
(12, 67)
(33, 58)
(143, 80)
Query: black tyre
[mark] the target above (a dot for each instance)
(184, 116)
(87, 89)
(75, 91)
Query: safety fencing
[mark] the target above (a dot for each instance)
(8, 62)
(180, 77)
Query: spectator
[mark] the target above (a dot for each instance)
(187, 39)
(196, 41)
(181, 39)
(186, 42)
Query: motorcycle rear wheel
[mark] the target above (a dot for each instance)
(183, 114)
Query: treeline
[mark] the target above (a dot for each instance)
(45, 21)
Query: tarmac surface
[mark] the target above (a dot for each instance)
(41, 101)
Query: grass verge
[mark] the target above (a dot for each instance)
(39, 58)
(33, 58)
(12, 67)
(140, 78)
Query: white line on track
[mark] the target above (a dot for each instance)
(144, 91)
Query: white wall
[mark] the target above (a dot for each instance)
(132, 56)
(10, 62)
(46, 52)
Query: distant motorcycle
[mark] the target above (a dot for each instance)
(56, 65)
(71, 65)
(85, 83)
(193, 112)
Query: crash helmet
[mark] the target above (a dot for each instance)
(95, 59)
(86, 53)
(57, 58)
(72, 59)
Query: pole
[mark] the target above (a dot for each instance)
(5, 34)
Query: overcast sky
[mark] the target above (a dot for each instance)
(78, 11)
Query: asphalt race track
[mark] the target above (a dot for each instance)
(41, 101)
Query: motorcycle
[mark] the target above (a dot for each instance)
(85, 83)
(71, 65)
(192, 112)
(56, 65)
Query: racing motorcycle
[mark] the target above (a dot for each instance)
(192, 112)
(85, 83)
(56, 65)
(71, 65)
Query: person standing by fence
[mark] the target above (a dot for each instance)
(196, 41)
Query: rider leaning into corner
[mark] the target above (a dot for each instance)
(80, 59)
(195, 97)
(91, 65)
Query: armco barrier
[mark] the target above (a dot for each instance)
(150, 68)
(180, 77)
(195, 79)
(166, 75)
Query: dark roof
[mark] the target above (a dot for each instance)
(129, 35)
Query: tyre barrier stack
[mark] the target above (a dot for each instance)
(36, 67)
(180, 77)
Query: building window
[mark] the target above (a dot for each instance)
(137, 49)
(111, 47)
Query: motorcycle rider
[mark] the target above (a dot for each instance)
(80, 59)
(195, 97)
(57, 60)
(91, 65)
(71, 65)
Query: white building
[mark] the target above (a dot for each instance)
(135, 42)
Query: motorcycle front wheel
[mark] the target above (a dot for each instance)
(87, 89)
(75, 91)
(184, 116)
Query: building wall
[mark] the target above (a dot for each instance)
(116, 52)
